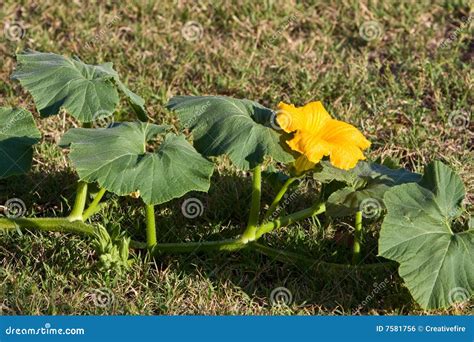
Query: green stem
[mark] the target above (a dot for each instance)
(66, 226)
(93, 207)
(357, 238)
(249, 233)
(79, 203)
(279, 196)
(150, 226)
(81, 194)
(62, 225)
(316, 209)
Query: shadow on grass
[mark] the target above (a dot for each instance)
(222, 214)
(44, 193)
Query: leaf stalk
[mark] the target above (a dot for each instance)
(79, 203)
(249, 233)
(278, 197)
(150, 226)
(94, 206)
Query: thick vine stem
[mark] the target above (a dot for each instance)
(77, 227)
(63, 225)
(249, 233)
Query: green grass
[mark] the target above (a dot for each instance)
(403, 90)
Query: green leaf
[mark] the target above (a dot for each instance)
(239, 128)
(439, 177)
(327, 173)
(87, 92)
(137, 103)
(366, 185)
(436, 263)
(18, 133)
(117, 159)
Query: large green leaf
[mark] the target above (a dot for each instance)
(239, 128)
(117, 159)
(87, 92)
(366, 185)
(436, 263)
(18, 133)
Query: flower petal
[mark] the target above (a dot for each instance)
(341, 133)
(345, 157)
(317, 135)
(311, 146)
(311, 117)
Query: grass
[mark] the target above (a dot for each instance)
(410, 94)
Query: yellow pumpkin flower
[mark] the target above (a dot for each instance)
(317, 134)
